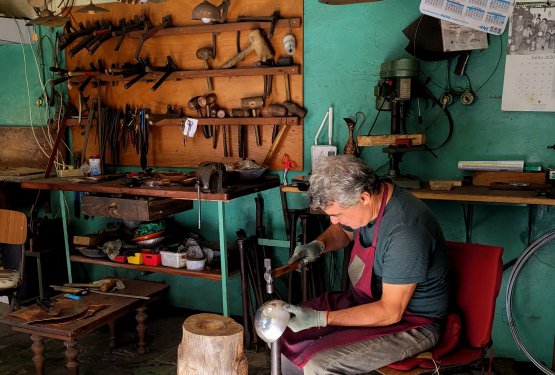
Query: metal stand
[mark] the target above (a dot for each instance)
(275, 361)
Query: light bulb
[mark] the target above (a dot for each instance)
(206, 20)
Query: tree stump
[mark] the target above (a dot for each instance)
(211, 345)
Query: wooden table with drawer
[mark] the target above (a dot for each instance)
(69, 333)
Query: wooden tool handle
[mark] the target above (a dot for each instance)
(119, 294)
(285, 269)
(275, 144)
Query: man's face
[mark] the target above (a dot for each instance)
(355, 216)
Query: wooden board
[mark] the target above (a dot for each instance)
(487, 178)
(389, 139)
(166, 144)
(21, 147)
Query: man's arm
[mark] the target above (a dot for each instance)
(388, 310)
(334, 238)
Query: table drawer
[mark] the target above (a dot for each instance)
(139, 208)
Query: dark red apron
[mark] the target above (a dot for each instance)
(300, 347)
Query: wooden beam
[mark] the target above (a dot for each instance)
(389, 139)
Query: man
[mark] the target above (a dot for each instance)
(518, 29)
(398, 270)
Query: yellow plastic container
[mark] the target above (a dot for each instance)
(136, 259)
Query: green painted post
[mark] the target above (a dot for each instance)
(223, 255)
(66, 238)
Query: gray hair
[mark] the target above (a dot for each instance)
(341, 179)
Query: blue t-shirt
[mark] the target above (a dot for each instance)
(410, 249)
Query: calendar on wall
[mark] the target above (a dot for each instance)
(490, 16)
(529, 83)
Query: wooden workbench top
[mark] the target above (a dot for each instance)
(484, 194)
(472, 193)
(117, 186)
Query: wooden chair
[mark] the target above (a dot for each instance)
(476, 272)
(13, 231)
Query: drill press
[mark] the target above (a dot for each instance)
(393, 93)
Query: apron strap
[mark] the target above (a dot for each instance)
(380, 215)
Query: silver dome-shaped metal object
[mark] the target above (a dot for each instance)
(271, 320)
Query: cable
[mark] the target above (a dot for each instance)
(415, 34)
(25, 65)
(521, 261)
(496, 65)
(375, 118)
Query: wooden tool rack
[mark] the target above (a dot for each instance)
(167, 147)
(175, 192)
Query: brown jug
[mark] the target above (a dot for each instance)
(351, 146)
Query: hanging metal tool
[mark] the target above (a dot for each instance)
(143, 136)
(149, 33)
(92, 112)
(205, 54)
(170, 68)
(144, 68)
(254, 104)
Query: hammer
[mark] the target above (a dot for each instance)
(286, 61)
(237, 112)
(254, 103)
(205, 101)
(205, 54)
(274, 110)
(195, 106)
(258, 44)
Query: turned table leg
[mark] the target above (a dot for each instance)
(141, 329)
(112, 326)
(38, 348)
(71, 353)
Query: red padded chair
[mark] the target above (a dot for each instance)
(476, 272)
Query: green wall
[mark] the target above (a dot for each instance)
(18, 101)
(344, 47)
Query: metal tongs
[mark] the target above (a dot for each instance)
(46, 305)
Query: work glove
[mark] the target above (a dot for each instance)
(305, 318)
(307, 253)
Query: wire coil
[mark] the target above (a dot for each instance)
(521, 261)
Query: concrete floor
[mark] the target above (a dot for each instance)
(163, 336)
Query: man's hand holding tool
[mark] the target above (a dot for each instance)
(307, 253)
(305, 318)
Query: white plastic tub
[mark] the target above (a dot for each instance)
(171, 259)
(195, 264)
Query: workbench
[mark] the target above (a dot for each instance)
(117, 186)
(469, 195)
(114, 307)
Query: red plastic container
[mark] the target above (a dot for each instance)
(152, 259)
(120, 259)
